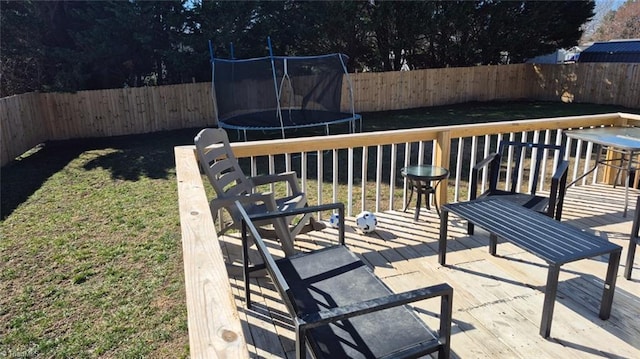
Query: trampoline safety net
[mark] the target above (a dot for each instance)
(278, 93)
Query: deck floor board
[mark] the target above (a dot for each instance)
(497, 300)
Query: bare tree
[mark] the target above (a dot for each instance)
(623, 23)
(602, 8)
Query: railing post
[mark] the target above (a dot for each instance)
(609, 175)
(442, 158)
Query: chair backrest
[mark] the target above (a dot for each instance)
(220, 164)
(526, 161)
(249, 229)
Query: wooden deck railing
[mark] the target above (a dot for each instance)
(214, 325)
(326, 165)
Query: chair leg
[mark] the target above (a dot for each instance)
(630, 256)
(317, 226)
(307, 224)
(301, 347)
(286, 240)
(245, 271)
(634, 240)
(493, 244)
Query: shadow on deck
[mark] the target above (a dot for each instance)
(497, 300)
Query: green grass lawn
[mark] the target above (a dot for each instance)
(90, 256)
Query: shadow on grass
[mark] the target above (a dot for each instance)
(128, 158)
(151, 155)
(138, 156)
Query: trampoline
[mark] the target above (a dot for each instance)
(277, 93)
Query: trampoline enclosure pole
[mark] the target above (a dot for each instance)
(275, 85)
(350, 86)
(213, 87)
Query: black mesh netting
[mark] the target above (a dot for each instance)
(281, 92)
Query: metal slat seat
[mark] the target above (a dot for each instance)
(555, 242)
(333, 278)
(552, 241)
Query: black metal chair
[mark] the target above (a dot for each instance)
(634, 240)
(339, 307)
(518, 170)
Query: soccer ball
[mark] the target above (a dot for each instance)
(334, 221)
(366, 221)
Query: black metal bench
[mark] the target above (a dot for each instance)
(555, 242)
(339, 307)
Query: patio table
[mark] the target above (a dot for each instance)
(624, 140)
(420, 178)
(553, 241)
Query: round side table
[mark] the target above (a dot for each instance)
(420, 178)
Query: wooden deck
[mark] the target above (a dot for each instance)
(497, 300)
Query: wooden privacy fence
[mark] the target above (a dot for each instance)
(29, 119)
(423, 88)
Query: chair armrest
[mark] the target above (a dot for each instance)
(393, 300)
(485, 161)
(292, 212)
(304, 210)
(289, 177)
(561, 171)
(475, 172)
(220, 203)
